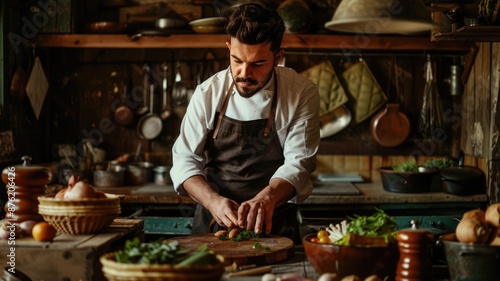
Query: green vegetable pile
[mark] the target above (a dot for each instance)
(408, 166)
(158, 252)
(411, 164)
(378, 224)
(439, 163)
(243, 235)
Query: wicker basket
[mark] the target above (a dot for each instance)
(115, 271)
(85, 216)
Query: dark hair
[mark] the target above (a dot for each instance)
(253, 23)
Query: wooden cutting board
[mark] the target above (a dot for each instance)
(242, 252)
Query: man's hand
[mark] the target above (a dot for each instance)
(254, 215)
(224, 212)
(257, 213)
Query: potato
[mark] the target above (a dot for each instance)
(220, 233)
(233, 233)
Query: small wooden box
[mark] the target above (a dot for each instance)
(69, 257)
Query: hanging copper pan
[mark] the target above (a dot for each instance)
(390, 127)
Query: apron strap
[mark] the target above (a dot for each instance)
(271, 113)
(223, 110)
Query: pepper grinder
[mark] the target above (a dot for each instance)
(24, 183)
(415, 246)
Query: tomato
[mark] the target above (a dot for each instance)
(325, 239)
(314, 240)
(322, 233)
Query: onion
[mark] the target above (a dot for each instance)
(27, 226)
(268, 277)
(472, 230)
(60, 193)
(327, 277)
(492, 215)
(495, 238)
(8, 229)
(99, 194)
(81, 190)
(291, 277)
(373, 277)
(4, 230)
(351, 278)
(478, 213)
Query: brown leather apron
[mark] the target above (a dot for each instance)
(242, 156)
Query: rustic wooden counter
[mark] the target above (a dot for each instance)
(369, 193)
(166, 213)
(68, 257)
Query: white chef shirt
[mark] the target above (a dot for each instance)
(296, 123)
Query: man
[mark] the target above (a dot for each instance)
(248, 141)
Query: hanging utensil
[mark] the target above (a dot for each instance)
(431, 115)
(150, 125)
(165, 106)
(390, 127)
(124, 114)
(146, 83)
(179, 91)
(18, 82)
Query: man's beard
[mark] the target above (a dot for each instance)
(245, 92)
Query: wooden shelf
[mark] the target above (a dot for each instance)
(484, 33)
(290, 41)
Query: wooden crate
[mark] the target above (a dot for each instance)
(70, 257)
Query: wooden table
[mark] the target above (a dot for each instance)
(69, 257)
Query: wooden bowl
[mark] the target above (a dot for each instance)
(115, 271)
(348, 260)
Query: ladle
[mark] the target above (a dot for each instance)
(179, 91)
(165, 107)
(146, 84)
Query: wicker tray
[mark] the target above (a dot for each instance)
(85, 216)
(115, 271)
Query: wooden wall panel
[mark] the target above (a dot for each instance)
(481, 140)
(476, 105)
(495, 87)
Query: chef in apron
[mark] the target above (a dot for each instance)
(249, 138)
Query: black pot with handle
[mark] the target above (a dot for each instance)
(470, 262)
(463, 180)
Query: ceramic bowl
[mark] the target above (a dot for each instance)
(348, 260)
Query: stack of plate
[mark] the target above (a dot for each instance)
(83, 216)
(208, 25)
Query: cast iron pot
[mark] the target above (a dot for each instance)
(463, 180)
(471, 262)
(407, 182)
